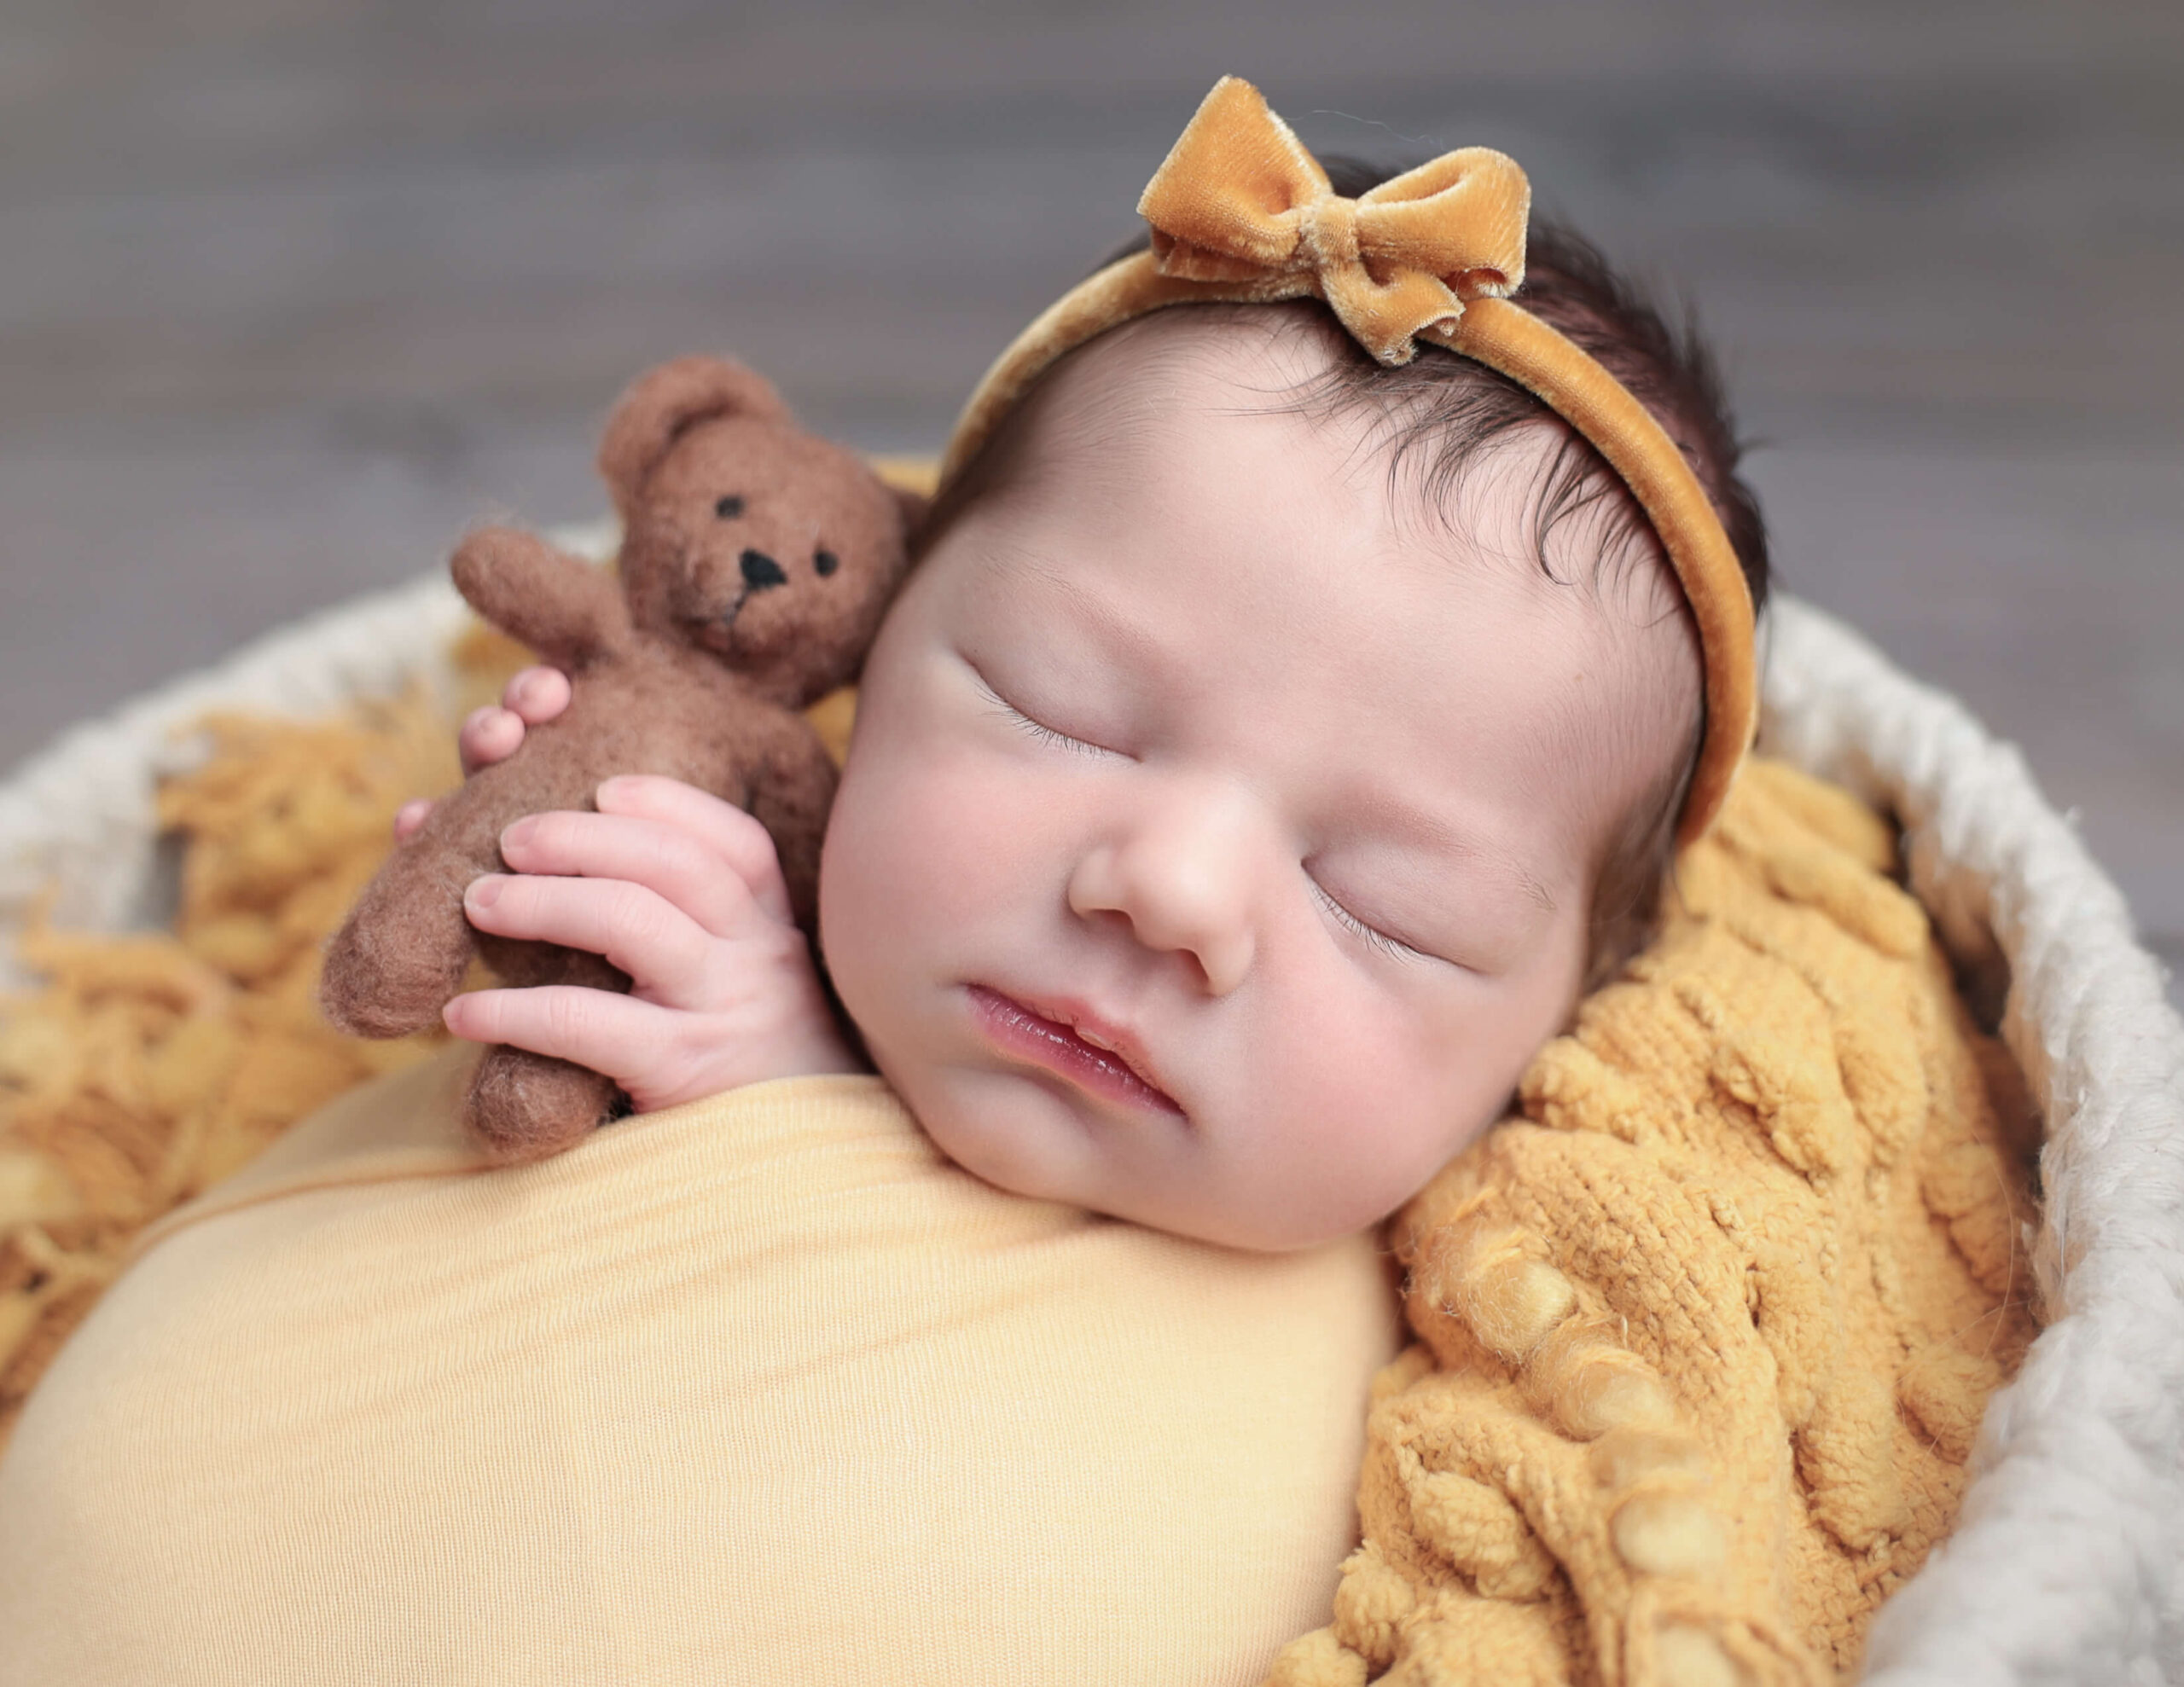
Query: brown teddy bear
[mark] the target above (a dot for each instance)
(756, 562)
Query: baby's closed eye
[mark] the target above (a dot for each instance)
(1367, 933)
(1034, 725)
(1421, 907)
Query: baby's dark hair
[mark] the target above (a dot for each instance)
(1436, 415)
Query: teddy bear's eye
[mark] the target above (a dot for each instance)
(728, 507)
(825, 562)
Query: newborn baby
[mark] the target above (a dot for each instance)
(1265, 751)
(1285, 722)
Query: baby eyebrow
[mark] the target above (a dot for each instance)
(1534, 890)
(1123, 636)
(1437, 833)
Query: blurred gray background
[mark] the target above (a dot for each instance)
(292, 291)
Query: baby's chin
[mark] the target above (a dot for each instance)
(1010, 1131)
(1017, 1149)
(1309, 1209)
(993, 1126)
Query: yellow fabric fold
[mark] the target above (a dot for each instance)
(758, 1388)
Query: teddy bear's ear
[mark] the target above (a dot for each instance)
(662, 403)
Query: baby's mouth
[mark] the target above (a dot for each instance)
(1108, 1068)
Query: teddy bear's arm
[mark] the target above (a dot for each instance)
(566, 610)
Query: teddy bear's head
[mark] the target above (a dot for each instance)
(742, 533)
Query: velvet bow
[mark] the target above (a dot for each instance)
(1240, 200)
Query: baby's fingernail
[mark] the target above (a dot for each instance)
(484, 892)
(520, 833)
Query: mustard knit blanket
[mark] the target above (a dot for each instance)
(1705, 1337)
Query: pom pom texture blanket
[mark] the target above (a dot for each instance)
(1707, 1334)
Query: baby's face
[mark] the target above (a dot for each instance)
(1215, 846)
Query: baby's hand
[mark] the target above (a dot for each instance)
(531, 699)
(683, 892)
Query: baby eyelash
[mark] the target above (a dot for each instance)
(1373, 936)
(1045, 734)
(1031, 728)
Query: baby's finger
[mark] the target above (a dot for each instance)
(609, 1032)
(537, 695)
(663, 949)
(409, 816)
(725, 829)
(670, 861)
(489, 735)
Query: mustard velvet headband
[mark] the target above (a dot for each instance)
(1241, 212)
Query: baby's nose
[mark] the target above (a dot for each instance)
(761, 570)
(1181, 886)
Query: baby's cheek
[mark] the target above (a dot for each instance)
(1369, 1105)
(928, 835)
(926, 878)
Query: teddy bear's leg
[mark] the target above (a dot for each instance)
(406, 944)
(524, 1106)
(403, 951)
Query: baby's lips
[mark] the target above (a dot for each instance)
(1081, 1041)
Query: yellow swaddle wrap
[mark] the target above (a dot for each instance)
(760, 1387)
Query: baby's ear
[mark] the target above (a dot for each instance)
(662, 404)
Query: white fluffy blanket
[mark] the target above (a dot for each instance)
(2068, 1565)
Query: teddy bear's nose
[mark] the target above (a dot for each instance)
(761, 570)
